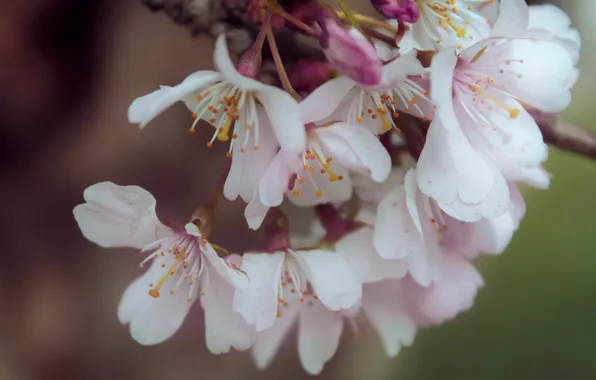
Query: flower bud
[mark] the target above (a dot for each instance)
(400, 10)
(350, 52)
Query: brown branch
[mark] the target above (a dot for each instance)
(567, 136)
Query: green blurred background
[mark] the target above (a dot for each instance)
(69, 71)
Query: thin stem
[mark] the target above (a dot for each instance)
(218, 191)
(281, 71)
(379, 36)
(368, 21)
(296, 22)
(260, 40)
(349, 16)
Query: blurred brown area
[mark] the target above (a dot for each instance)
(70, 68)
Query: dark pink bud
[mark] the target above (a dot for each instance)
(309, 74)
(350, 52)
(400, 10)
(277, 231)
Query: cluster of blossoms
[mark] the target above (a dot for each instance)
(409, 150)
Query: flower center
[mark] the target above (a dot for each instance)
(450, 15)
(293, 286)
(228, 108)
(181, 257)
(485, 83)
(315, 164)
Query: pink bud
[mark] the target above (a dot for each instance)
(400, 10)
(351, 53)
(309, 74)
(453, 293)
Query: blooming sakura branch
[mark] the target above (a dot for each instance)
(407, 138)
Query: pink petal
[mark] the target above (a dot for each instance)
(383, 306)
(453, 293)
(274, 182)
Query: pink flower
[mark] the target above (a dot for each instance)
(482, 125)
(351, 53)
(230, 101)
(448, 24)
(453, 293)
(312, 285)
(332, 149)
(184, 266)
(284, 278)
(402, 89)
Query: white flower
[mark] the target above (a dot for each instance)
(184, 266)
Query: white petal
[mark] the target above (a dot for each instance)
(255, 212)
(325, 99)
(223, 327)
(357, 249)
(356, 148)
(274, 182)
(457, 177)
(225, 268)
(333, 191)
(284, 113)
(146, 108)
(223, 63)
(383, 306)
(258, 302)
(331, 277)
(119, 216)
(513, 19)
(153, 320)
(318, 337)
(268, 341)
(395, 233)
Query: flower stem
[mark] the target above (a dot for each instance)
(218, 191)
(297, 23)
(260, 40)
(281, 71)
(366, 20)
(348, 15)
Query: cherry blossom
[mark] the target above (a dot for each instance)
(184, 264)
(229, 99)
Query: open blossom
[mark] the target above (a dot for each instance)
(377, 106)
(449, 24)
(229, 99)
(332, 149)
(184, 264)
(483, 127)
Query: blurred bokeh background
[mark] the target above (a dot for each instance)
(69, 69)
